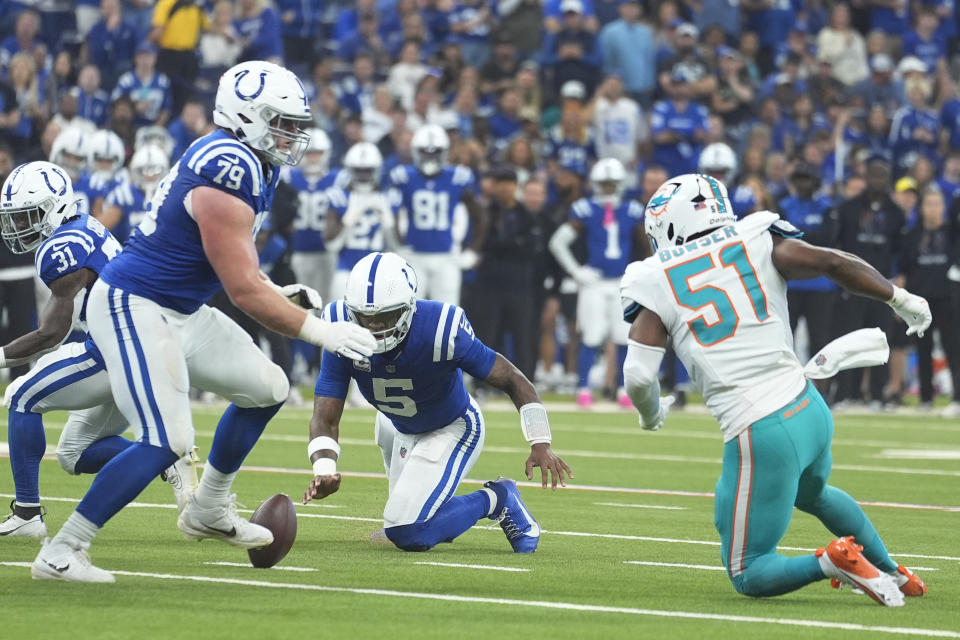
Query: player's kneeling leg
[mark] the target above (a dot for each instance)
(453, 518)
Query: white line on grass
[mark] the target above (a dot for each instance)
(918, 454)
(639, 506)
(703, 567)
(247, 565)
(474, 566)
(540, 604)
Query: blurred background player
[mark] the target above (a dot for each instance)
(717, 288)
(107, 156)
(429, 430)
(427, 194)
(613, 230)
(127, 203)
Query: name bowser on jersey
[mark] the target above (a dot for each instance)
(717, 289)
(148, 306)
(429, 430)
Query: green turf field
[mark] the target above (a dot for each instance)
(629, 549)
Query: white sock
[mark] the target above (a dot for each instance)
(77, 529)
(214, 487)
(492, 495)
(826, 566)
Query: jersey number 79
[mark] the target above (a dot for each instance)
(735, 256)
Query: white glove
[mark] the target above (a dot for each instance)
(303, 296)
(665, 403)
(468, 259)
(585, 275)
(913, 309)
(342, 338)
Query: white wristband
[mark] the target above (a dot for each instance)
(324, 467)
(533, 421)
(323, 442)
(313, 330)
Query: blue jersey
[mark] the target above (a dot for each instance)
(810, 217)
(81, 243)
(155, 93)
(950, 119)
(609, 233)
(429, 203)
(164, 260)
(680, 156)
(90, 187)
(363, 237)
(132, 202)
(418, 385)
(906, 121)
(311, 210)
(929, 51)
(92, 106)
(567, 152)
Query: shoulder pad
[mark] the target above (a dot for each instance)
(581, 208)
(462, 175)
(785, 229)
(337, 197)
(399, 175)
(229, 164)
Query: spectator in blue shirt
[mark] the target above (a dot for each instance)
(626, 47)
(355, 91)
(23, 40)
(553, 14)
(300, 21)
(723, 13)
(915, 128)
(470, 22)
(22, 104)
(348, 20)
(679, 128)
(92, 102)
(259, 27)
(148, 89)
(191, 124)
(925, 42)
(573, 27)
(949, 180)
(879, 87)
(366, 38)
(111, 43)
(771, 20)
(890, 16)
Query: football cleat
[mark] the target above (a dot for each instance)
(910, 583)
(64, 561)
(182, 476)
(221, 523)
(843, 560)
(624, 400)
(521, 529)
(584, 399)
(24, 522)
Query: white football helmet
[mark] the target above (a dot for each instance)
(266, 107)
(607, 177)
(719, 161)
(316, 159)
(107, 153)
(35, 199)
(364, 162)
(156, 136)
(70, 151)
(429, 148)
(685, 206)
(381, 296)
(147, 168)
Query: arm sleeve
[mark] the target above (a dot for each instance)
(464, 348)
(334, 378)
(63, 255)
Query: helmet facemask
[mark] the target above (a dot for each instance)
(363, 179)
(286, 139)
(430, 160)
(25, 228)
(389, 326)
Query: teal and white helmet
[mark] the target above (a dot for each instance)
(685, 206)
(35, 199)
(381, 296)
(266, 107)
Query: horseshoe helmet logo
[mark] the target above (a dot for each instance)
(255, 94)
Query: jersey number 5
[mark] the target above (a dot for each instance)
(733, 255)
(397, 404)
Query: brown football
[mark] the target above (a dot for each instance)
(277, 514)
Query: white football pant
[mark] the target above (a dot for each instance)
(600, 314)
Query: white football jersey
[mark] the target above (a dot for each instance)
(619, 127)
(724, 305)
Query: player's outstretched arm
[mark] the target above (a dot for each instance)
(645, 349)
(55, 321)
(533, 420)
(798, 260)
(324, 450)
(226, 230)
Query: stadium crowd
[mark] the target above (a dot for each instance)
(842, 117)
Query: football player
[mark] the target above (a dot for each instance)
(428, 428)
(717, 289)
(428, 192)
(106, 158)
(70, 151)
(148, 317)
(613, 230)
(38, 211)
(126, 204)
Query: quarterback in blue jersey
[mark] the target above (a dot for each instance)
(428, 192)
(126, 205)
(613, 229)
(38, 212)
(148, 319)
(428, 428)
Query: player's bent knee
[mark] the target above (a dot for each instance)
(68, 456)
(411, 537)
(180, 441)
(274, 385)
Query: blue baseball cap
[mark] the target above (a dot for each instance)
(146, 47)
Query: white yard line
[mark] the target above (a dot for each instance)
(540, 604)
(678, 565)
(474, 566)
(639, 506)
(247, 565)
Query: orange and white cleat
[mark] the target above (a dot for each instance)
(843, 560)
(909, 582)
